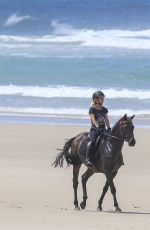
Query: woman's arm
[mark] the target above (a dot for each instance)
(93, 120)
(107, 121)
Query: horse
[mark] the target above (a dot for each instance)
(107, 158)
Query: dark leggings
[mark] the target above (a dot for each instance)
(93, 135)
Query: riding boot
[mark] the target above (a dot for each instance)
(89, 153)
(122, 162)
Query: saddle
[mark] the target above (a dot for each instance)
(83, 146)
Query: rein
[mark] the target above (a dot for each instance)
(121, 123)
(119, 138)
(123, 139)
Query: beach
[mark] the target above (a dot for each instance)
(53, 57)
(34, 195)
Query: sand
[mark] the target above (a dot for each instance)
(33, 195)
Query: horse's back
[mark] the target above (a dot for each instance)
(83, 147)
(80, 138)
(77, 142)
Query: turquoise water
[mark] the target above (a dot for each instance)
(131, 72)
(64, 86)
(52, 62)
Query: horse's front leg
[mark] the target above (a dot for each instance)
(76, 169)
(113, 191)
(85, 177)
(105, 189)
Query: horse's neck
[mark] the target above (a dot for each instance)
(116, 132)
(116, 139)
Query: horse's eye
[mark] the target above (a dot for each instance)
(131, 126)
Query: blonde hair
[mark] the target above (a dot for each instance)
(94, 103)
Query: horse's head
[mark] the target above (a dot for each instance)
(126, 129)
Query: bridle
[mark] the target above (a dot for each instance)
(122, 124)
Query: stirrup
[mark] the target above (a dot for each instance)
(88, 163)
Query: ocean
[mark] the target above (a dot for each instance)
(55, 53)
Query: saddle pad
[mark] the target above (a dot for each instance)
(83, 146)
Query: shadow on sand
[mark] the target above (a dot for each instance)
(123, 212)
(128, 212)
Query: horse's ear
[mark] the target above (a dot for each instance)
(132, 117)
(125, 117)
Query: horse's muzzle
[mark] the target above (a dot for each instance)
(132, 142)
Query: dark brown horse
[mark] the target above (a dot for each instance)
(107, 158)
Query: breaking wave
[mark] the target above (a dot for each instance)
(63, 91)
(65, 35)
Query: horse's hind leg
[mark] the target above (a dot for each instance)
(85, 177)
(76, 169)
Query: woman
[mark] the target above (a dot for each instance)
(99, 121)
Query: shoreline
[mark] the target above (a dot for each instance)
(21, 118)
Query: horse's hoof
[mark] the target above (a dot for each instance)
(77, 208)
(118, 209)
(82, 205)
(99, 209)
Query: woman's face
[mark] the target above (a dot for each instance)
(100, 100)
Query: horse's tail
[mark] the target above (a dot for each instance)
(64, 154)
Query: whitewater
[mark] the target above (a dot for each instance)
(55, 55)
(56, 91)
(66, 37)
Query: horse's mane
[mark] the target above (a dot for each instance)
(115, 125)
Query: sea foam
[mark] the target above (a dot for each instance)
(63, 91)
(66, 35)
